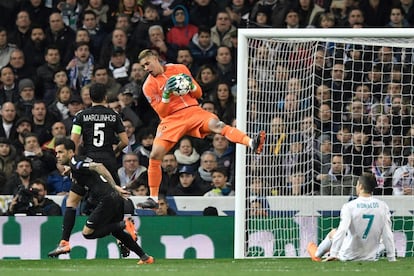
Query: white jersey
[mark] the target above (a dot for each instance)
(365, 222)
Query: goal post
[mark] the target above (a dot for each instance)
(288, 81)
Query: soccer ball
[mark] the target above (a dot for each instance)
(182, 85)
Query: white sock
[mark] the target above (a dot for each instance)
(323, 247)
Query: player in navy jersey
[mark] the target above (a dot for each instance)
(97, 127)
(107, 217)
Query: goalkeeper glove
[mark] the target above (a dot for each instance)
(190, 80)
(168, 89)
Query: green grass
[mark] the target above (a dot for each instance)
(197, 267)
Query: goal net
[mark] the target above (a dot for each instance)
(334, 104)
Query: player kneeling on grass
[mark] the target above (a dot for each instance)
(364, 230)
(107, 217)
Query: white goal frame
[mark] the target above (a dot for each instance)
(242, 84)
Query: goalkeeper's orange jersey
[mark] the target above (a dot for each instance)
(154, 86)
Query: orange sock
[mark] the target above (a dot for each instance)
(235, 135)
(154, 176)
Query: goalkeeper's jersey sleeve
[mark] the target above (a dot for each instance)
(154, 87)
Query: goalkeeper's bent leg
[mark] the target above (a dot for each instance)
(235, 135)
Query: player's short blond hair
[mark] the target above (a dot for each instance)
(146, 53)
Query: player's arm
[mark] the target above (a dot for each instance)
(123, 142)
(102, 170)
(388, 237)
(340, 233)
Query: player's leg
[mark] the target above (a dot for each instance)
(72, 202)
(159, 149)
(237, 136)
(316, 252)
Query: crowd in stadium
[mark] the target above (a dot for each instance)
(52, 51)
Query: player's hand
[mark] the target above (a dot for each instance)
(122, 192)
(190, 80)
(66, 170)
(168, 89)
(329, 259)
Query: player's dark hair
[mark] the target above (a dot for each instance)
(368, 182)
(66, 142)
(97, 92)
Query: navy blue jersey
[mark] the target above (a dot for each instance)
(99, 127)
(83, 177)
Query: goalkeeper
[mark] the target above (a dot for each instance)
(180, 115)
(364, 231)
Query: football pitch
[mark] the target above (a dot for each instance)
(201, 267)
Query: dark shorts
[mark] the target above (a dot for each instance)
(109, 210)
(78, 189)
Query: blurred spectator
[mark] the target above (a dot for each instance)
(42, 121)
(202, 48)
(188, 185)
(20, 68)
(59, 34)
(8, 90)
(167, 52)
(74, 106)
(97, 34)
(43, 161)
(376, 12)
(339, 179)
(130, 170)
(133, 142)
(359, 154)
(101, 74)
(169, 179)
(186, 154)
(146, 139)
(59, 108)
(80, 68)
(23, 125)
(292, 20)
(308, 12)
(403, 177)
(207, 78)
(34, 49)
(58, 183)
(185, 57)
(224, 103)
(225, 156)
(164, 208)
(239, 11)
(408, 7)
(140, 36)
(86, 96)
(203, 12)
(21, 34)
(5, 47)
(221, 186)
(101, 9)
(220, 32)
(8, 124)
(21, 177)
(119, 65)
(397, 18)
(208, 162)
(226, 68)
(383, 169)
(45, 85)
(58, 131)
(38, 12)
(182, 31)
(355, 17)
(7, 161)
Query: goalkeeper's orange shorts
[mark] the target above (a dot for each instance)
(192, 121)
